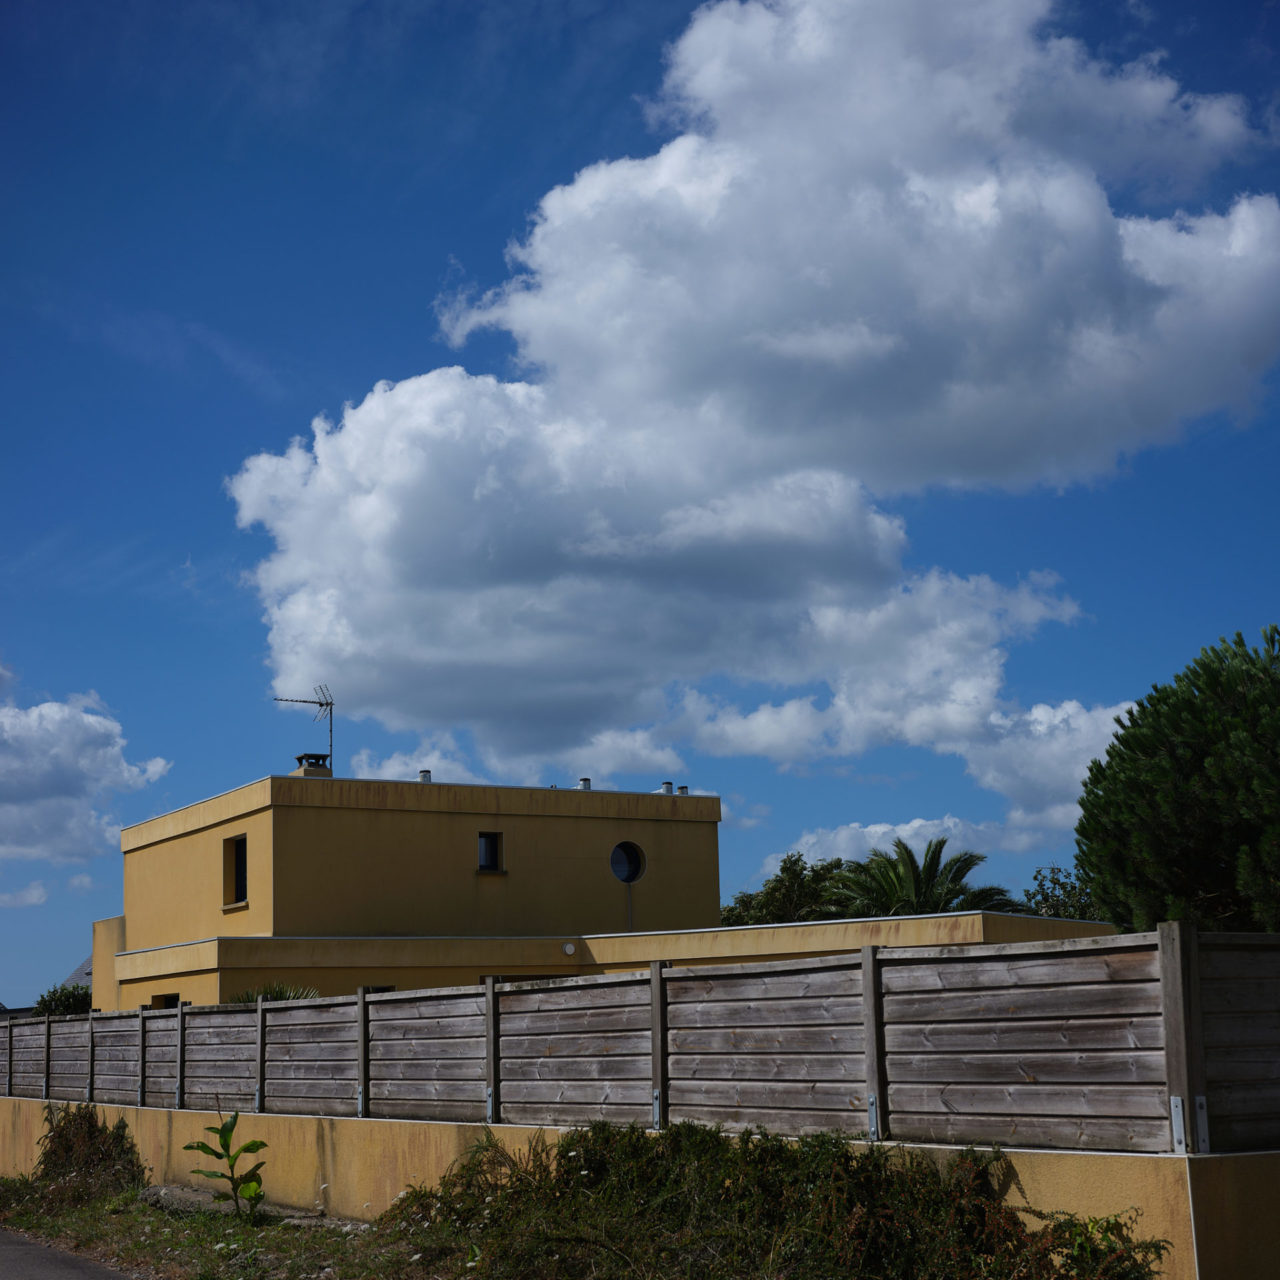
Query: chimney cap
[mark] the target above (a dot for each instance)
(584, 784)
(313, 764)
(424, 775)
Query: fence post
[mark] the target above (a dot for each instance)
(658, 1041)
(260, 1058)
(8, 1057)
(142, 1055)
(873, 1046)
(362, 1053)
(88, 1084)
(492, 1066)
(1179, 953)
(179, 1061)
(48, 1041)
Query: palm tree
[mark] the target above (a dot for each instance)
(899, 884)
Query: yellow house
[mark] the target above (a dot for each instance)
(339, 882)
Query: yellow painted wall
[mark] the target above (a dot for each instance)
(368, 872)
(366, 1163)
(173, 889)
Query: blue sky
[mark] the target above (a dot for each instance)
(843, 407)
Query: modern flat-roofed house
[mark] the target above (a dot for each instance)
(340, 882)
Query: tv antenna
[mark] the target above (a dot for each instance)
(324, 702)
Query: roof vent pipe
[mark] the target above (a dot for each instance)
(424, 775)
(584, 784)
(666, 788)
(684, 791)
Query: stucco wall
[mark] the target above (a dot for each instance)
(355, 1168)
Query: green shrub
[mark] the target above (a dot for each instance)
(81, 1158)
(692, 1201)
(274, 991)
(62, 1000)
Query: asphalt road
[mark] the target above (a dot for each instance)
(23, 1259)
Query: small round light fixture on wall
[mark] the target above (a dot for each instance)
(568, 948)
(627, 862)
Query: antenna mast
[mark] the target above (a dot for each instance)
(324, 701)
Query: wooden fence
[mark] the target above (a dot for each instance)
(1150, 1042)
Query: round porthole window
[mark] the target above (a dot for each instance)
(627, 862)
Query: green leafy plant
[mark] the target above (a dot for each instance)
(59, 1001)
(1181, 820)
(274, 991)
(246, 1186)
(1060, 893)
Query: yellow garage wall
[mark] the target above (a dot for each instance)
(355, 1168)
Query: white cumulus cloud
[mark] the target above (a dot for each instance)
(60, 762)
(890, 244)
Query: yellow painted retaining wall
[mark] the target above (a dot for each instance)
(355, 1168)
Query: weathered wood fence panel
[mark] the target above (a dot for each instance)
(425, 1055)
(1151, 1042)
(218, 1058)
(27, 1058)
(115, 1058)
(1028, 1044)
(1240, 1007)
(572, 1054)
(774, 1045)
(160, 1058)
(310, 1061)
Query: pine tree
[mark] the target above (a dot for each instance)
(1181, 821)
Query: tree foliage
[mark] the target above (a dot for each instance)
(1181, 821)
(61, 1000)
(885, 884)
(1061, 894)
(900, 884)
(797, 891)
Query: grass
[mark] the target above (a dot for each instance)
(607, 1202)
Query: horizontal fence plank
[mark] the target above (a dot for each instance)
(602, 1092)
(606, 996)
(1030, 1099)
(784, 986)
(427, 1047)
(418, 1109)
(845, 1039)
(769, 1095)
(1016, 971)
(565, 1113)
(1241, 995)
(790, 1121)
(1084, 1000)
(635, 1067)
(786, 1066)
(771, 1013)
(576, 1020)
(576, 1045)
(428, 1069)
(1083, 1133)
(979, 1068)
(422, 1006)
(430, 1090)
(432, 1028)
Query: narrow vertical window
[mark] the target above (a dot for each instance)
(235, 871)
(490, 851)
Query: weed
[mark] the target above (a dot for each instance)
(246, 1186)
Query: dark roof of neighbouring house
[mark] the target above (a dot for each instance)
(81, 976)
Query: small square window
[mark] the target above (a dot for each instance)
(235, 871)
(490, 850)
(167, 1001)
